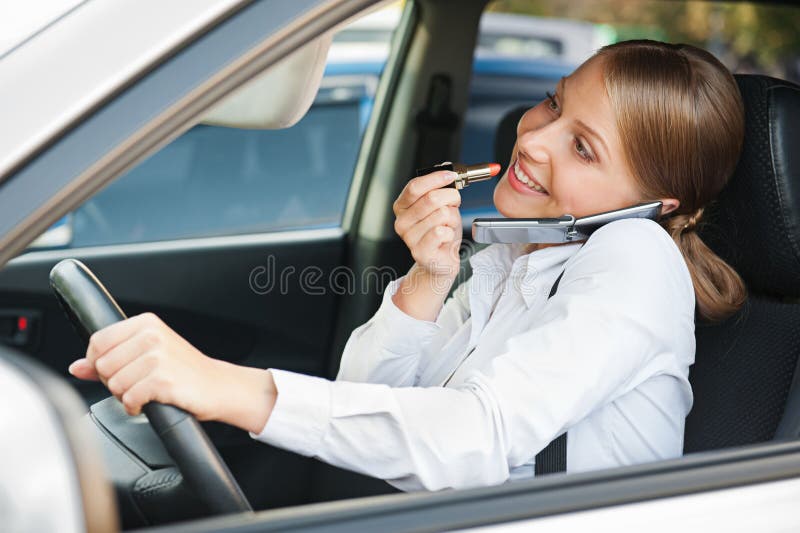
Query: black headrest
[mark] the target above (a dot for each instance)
(754, 224)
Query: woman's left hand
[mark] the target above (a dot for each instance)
(141, 360)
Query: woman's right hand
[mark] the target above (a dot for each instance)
(428, 221)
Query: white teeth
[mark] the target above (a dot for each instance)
(520, 174)
(522, 177)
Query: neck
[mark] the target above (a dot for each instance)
(539, 246)
(530, 248)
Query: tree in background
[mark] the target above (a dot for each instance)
(746, 37)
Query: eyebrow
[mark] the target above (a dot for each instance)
(579, 122)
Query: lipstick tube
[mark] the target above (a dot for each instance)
(467, 174)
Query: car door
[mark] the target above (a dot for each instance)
(750, 489)
(231, 235)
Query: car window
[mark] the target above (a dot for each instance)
(525, 47)
(215, 180)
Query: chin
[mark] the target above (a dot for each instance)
(507, 202)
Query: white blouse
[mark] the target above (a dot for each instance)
(606, 358)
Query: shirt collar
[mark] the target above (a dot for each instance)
(496, 258)
(494, 264)
(537, 269)
(490, 268)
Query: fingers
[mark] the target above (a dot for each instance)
(83, 369)
(418, 187)
(424, 206)
(107, 338)
(141, 360)
(436, 237)
(428, 220)
(130, 366)
(134, 372)
(444, 216)
(428, 251)
(143, 341)
(142, 393)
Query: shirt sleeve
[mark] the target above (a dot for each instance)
(623, 312)
(389, 347)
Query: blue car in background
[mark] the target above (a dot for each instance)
(216, 180)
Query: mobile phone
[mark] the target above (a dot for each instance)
(565, 228)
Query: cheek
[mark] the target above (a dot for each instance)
(573, 191)
(500, 193)
(583, 195)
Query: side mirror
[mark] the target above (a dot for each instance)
(53, 476)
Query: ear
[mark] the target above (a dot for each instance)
(668, 205)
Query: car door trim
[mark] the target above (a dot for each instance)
(742, 509)
(529, 499)
(384, 95)
(220, 243)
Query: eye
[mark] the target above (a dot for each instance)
(582, 151)
(551, 102)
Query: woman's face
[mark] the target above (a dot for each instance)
(568, 158)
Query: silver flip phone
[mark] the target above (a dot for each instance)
(566, 228)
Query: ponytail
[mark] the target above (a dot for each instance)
(719, 290)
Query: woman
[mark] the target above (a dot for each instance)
(467, 393)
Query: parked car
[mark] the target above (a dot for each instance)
(500, 34)
(90, 96)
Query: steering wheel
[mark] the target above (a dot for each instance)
(90, 308)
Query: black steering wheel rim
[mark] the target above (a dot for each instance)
(90, 308)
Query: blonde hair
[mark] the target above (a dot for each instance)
(681, 121)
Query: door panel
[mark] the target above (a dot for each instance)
(239, 299)
(203, 290)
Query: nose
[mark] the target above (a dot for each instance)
(538, 143)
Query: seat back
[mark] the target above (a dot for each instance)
(745, 378)
(746, 367)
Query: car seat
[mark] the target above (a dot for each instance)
(745, 378)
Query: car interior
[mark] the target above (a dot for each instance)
(746, 378)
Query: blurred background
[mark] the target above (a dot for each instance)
(746, 37)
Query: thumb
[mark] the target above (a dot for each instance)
(83, 369)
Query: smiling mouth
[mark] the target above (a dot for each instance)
(531, 183)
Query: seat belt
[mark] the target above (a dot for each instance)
(553, 458)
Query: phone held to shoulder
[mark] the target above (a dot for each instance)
(563, 229)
